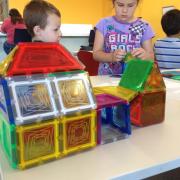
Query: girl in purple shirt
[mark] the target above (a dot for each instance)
(119, 34)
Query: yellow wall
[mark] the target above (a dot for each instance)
(152, 12)
(91, 11)
(73, 12)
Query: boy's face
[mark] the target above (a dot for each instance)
(51, 33)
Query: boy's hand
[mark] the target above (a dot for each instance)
(118, 55)
(140, 53)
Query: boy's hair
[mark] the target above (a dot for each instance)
(170, 22)
(36, 13)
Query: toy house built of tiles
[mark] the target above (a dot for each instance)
(47, 106)
(143, 88)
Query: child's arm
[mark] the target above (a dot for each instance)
(146, 52)
(100, 55)
(4, 26)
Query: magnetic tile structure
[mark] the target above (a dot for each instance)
(142, 86)
(47, 107)
(145, 78)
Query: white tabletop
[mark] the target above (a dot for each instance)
(148, 151)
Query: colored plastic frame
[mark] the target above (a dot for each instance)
(5, 102)
(33, 100)
(78, 132)
(38, 143)
(74, 93)
(35, 58)
(8, 141)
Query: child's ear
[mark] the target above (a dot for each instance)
(37, 30)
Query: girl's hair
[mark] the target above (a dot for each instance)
(15, 16)
(36, 13)
(114, 1)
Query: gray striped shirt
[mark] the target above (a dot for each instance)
(167, 52)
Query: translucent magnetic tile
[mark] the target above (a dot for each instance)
(8, 140)
(38, 57)
(155, 81)
(118, 91)
(107, 100)
(33, 100)
(79, 132)
(38, 143)
(6, 101)
(74, 93)
(3, 107)
(135, 111)
(97, 91)
(111, 134)
(136, 74)
(4, 65)
(153, 107)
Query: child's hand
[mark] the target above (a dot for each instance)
(118, 55)
(140, 53)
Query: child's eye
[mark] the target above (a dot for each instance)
(131, 5)
(120, 5)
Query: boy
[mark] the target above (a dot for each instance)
(43, 21)
(167, 50)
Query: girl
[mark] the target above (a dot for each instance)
(9, 25)
(119, 34)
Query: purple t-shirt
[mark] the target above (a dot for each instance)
(119, 35)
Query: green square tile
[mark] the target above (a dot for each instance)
(8, 140)
(136, 74)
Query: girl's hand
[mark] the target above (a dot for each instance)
(140, 53)
(118, 55)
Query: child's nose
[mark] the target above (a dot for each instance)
(124, 9)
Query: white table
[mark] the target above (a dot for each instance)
(148, 151)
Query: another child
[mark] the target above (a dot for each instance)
(167, 50)
(43, 21)
(119, 34)
(15, 21)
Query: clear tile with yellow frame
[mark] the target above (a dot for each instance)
(38, 143)
(79, 132)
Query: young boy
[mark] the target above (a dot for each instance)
(43, 21)
(167, 50)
